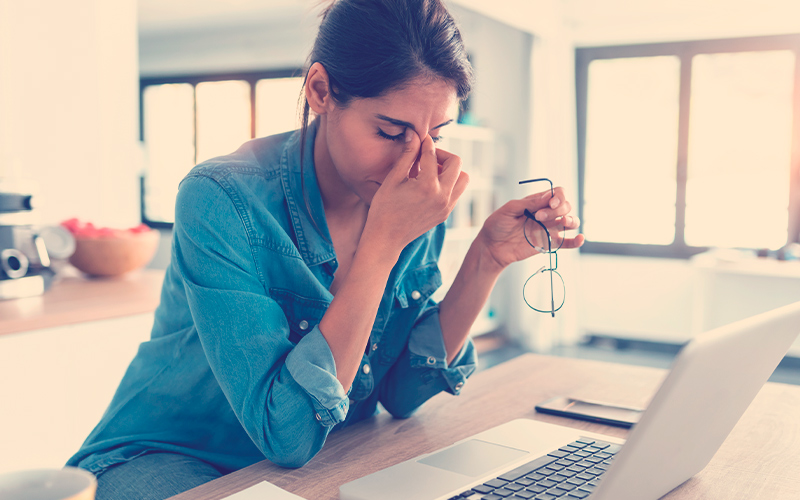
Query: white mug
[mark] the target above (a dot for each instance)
(69, 483)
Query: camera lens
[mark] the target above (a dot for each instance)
(14, 263)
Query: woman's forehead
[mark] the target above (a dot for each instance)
(415, 102)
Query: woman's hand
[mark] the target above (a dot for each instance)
(418, 193)
(502, 233)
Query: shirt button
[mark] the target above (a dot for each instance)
(318, 417)
(416, 295)
(431, 360)
(375, 347)
(459, 386)
(303, 325)
(365, 369)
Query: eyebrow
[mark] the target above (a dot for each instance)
(401, 123)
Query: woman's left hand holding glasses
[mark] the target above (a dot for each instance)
(503, 236)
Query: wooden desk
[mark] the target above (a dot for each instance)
(75, 299)
(759, 460)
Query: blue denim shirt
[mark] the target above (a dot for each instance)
(236, 369)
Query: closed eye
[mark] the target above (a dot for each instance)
(401, 136)
(398, 137)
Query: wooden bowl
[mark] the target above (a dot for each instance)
(115, 255)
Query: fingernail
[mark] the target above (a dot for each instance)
(408, 134)
(554, 202)
(541, 216)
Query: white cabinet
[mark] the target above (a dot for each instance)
(55, 384)
(731, 290)
(475, 147)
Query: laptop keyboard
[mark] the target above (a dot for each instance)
(570, 472)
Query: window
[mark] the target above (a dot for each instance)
(187, 120)
(689, 145)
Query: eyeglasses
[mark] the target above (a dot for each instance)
(536, 287)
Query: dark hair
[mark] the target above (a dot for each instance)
(371, 47)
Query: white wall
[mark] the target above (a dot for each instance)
(69, 106)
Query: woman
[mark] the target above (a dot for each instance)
(297, 297)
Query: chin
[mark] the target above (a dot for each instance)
(368, 194)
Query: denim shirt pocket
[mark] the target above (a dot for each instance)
(415, 286)
(302, 313)
(411, 293)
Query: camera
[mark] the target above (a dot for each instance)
(24, 260)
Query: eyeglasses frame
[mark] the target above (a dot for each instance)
(550, 253)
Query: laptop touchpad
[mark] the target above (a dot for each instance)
(473, 457)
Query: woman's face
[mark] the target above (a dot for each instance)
(365, 139)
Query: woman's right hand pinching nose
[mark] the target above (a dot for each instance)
(406, 207)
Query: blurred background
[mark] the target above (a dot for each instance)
(673, 126)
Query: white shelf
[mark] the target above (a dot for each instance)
(728, 289)
(749, 266)
(475, 147)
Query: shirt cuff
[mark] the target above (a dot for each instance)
(427, 350)
(312, 366)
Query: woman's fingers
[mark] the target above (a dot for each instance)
(575, 242)
(556, 228)
(459, 188)
(443, 156)
(566, 222)
(451, 173)
(517, 208)
(545, 206)
(556, 206)
(428, 167)
(403, 166)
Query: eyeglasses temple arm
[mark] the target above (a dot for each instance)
(552, 193)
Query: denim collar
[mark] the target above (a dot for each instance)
(313, 240)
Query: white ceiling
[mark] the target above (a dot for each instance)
(170, 15)
(588, 21)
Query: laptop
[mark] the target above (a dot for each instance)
(712, 381)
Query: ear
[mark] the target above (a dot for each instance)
(317, 90)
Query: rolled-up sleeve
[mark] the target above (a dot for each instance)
(311, 364)
(427, 350)
(422, 370)
(285, 395)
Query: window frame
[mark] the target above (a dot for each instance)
(251, 77)
(684, 51)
